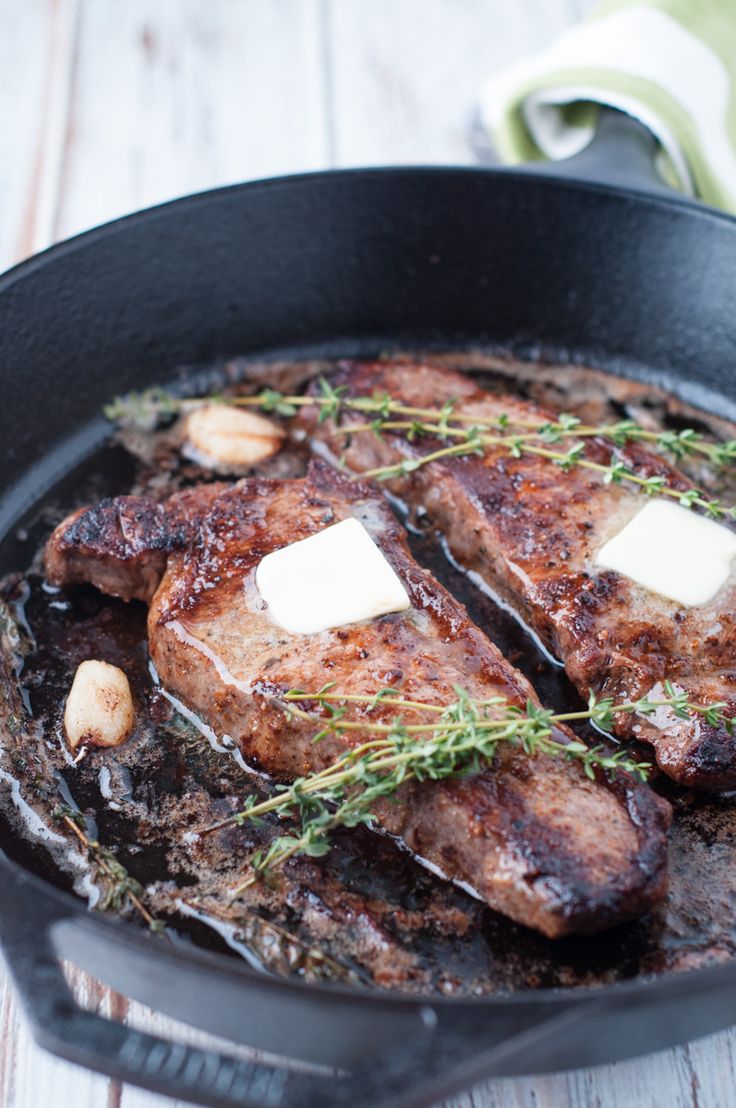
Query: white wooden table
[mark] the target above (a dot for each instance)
(110, 105)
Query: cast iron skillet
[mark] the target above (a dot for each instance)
(350, 263)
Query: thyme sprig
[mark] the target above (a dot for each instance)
(461, 738)
(276, 946)
(333, 402)
(613, 473)
(119, 885)
(472, 434)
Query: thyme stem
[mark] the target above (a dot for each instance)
(475, 432)
(463, 738)
(517, 445)
(119, 878)
(333, 401)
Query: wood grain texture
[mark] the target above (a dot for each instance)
(180, 95)
(110, 105)
(37, 44)
(404, 75)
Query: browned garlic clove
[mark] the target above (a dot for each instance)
(221, 435)
(99, 708)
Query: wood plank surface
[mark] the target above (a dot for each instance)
(180, 95)
(404, 73)
(110, 105)
(37, 49)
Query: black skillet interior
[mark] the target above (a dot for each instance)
(347, 263)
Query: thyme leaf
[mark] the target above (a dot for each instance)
(459, 739)
(470, 434)
(117, 884)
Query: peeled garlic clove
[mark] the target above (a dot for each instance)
(99, 707)
(222, 435)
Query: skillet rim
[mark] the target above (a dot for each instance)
(669, 983)
(673, 982)
(677, 201)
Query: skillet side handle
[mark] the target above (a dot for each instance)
(62, 1027)
(622, 152)
(415, 1072)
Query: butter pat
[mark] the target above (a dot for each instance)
(672, 551)
(335, 577)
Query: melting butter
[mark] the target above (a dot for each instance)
(672, 551)
(333, 578)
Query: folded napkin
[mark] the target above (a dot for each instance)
(669, 63)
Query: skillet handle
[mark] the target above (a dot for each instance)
(622, 152)
(61, 1026)
(414, 1072)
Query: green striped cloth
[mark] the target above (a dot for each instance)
(669, 63)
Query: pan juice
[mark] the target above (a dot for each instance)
(366, 915)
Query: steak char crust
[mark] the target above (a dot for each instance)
(530, 531)
(534, 837)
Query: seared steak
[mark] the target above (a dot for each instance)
(530, 532)
(534, 837)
